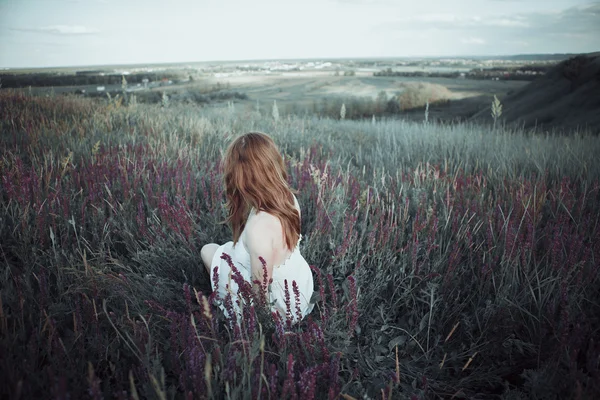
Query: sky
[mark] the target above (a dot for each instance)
(52, 33)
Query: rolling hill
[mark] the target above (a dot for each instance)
(567, 98)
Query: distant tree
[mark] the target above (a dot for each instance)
(381, 102)
(393, 106)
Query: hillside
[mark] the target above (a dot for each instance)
(449, 260)
(566, 98)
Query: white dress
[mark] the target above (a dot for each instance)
(294, 269)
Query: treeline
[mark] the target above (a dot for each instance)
(524, 73)
(417, 74)
(361, 107)
(357, 107)
(349, 72)
(186, 96)
(79, 79)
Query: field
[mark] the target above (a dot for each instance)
(451, 260)
(319, 93)
(300, 87)
(299, 92)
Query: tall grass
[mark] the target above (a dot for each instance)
(450, 261)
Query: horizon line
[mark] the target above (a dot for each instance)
(464, 56)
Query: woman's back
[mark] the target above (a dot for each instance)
(257, 222)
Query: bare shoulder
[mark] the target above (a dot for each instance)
(264, 227)
(263, 220)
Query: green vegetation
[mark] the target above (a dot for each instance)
(450, 260)
(407, 96)
(48, 79)
(521, 73)
(186, 96)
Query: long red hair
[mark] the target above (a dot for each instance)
(255, 177)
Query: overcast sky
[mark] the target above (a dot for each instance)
(41, 33)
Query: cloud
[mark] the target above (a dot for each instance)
(582, 19)
(460, 22)
(516, 21)
(61, 30)
(473, 40)
(44, 43)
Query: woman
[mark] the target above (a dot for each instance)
(264, 216)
